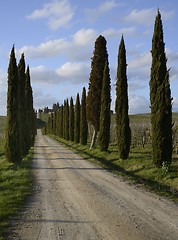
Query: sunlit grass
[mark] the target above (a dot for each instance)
(15, 186)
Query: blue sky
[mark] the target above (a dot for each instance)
(57, 38)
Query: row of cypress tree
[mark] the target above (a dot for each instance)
(160, 98)
(69, 121)
(21, 117)
(98, 101)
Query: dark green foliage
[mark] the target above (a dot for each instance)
(13, 130)
(121, 108)
(22, 105)
(64, 119)
(71, 120)
(95, 85)
(67, 120)
(77, 120)
(160, 99)
(29, 110)
(49, 125)
(55, 122)
(83, 120)
(61, 132)
(105, 116)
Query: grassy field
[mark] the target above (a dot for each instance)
(15, 185)
(2, 126)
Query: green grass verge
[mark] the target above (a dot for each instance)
(138, 168)
(15, 186)
(2, 125)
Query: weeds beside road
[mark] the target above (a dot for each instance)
(15, 186)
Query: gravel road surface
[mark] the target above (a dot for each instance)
(76, 200)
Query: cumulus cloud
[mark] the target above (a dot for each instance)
(146, 16)
(94, 13)
(131, 31)
(58, 13)
(3, 92)
(175, 104)
(83, 37)
(41, 74)
(138, 104)
(42, 99)
(78, 46)
(139, 67)
(74, 72)
(71, 73)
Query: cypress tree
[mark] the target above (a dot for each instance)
(121, 107)
(52, 123)
(83, 121)
(49, 125)
(61, 122)
(71, 120)
(67, 121)
(95, 84)
(64, 120)
(13, 148)
(22, 105)
(160, 99)
(77, 120)
(105, 115)
(30, 110)
(55, 122)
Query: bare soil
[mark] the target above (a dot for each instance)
(77, 200)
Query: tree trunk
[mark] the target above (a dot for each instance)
(93, 141)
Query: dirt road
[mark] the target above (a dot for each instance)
(76, 200)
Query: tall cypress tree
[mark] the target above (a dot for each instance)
(71, 120)
(83, 120)
(55, 122)
(30, 110)
(13, 134)
(22, 104)
(160, 99)
(64, 120)
(67, 121)
(61, 121)
(95, 84)
(121, 107)
(77, 120)
(105, 115)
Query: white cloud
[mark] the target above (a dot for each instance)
(146, 16)
(46, 49)
(3, 92)
(78, 46)
(83, 37)
(71, 73)
(138, 104)
(139, 67)
(42, 99)
(58, 13)
(141, 60)
(74, 72)
(43, 75)
(94, 14)
(175, 104)
(117, 33)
